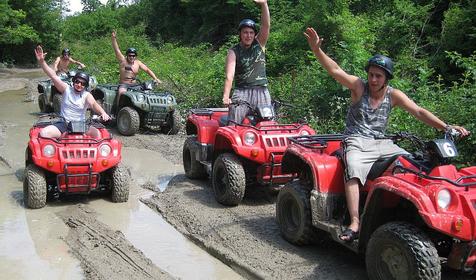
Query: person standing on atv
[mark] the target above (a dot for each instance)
(129, 67)
(246, 63)
(62, 62)
(76, 100)
(367, 117)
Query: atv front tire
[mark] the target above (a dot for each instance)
(173, 123)
(119, 184)
(228, 179)
(193, 168)
(293, 213)
(34, 187)
(400, 250)
(128, 121)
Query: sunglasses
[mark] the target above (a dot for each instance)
(131, 55)
(78, 82)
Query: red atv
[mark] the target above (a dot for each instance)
(418, 211)
(72, 164)
(238, 156)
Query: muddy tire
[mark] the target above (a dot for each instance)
(401, 251)
(34, 187)
(293, 213)
(42, 104)
(193, 168)
(173, 123)
(57, 99)
(228, 179)
(128, 121)
(119, 184)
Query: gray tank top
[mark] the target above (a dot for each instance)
(363, 120)
(250, 69)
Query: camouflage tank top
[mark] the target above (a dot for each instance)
(363, 120)
(250, 67)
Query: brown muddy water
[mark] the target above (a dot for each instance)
(33, 243)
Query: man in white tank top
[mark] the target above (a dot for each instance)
(76, 100)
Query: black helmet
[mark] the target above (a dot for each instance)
(82, 76)
(383, 62)
(247, 23)
(65, 51)
(131, 50)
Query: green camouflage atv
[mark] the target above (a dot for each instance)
(140, 106)
(49, 99)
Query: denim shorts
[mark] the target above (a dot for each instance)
(61, 126)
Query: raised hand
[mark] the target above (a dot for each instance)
(40, 55)
(313, 39)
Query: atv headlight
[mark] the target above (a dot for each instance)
(443, 198)
(49, 150)
(170, 99)
(140, 97)
(104, 150)
(304, 132)
(249, 138)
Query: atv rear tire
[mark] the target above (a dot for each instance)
(228, 179)
(41, 103)
(128, 121)
(34, 187)
(173, 123)
(293, 213)
(400, 250)
(57, 99)
(119, 184)
(193, 168)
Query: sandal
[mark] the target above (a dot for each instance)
(349, 235)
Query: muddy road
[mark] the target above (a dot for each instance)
(171, 227)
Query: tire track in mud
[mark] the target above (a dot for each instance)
(103, 252)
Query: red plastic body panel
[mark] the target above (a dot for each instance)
(457, 220)
(76, 154)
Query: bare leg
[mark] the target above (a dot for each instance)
(120, 91)
(352, 197)
(50, 131)
(93, 132)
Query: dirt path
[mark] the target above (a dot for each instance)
(245, 237)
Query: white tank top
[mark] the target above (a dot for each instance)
(73, 105)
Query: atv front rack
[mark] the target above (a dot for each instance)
(65, 140)
(423, 175)
(93, 179)
(318, 142)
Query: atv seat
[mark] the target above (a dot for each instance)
(377, 168)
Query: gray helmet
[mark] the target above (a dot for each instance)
(383, 62)
(131, 50)
(82, 76)
(66, 51)
(247, 23)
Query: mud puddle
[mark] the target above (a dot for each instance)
(43, 244)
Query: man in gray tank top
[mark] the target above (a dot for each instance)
(367, 117)
(246, 64)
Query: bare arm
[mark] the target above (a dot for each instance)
(149, 72)
(263, 34)
(77, 62)
(115, 46)
(349, 81)
(401, 100)
(229, 76)
(96, 107)
(40, 57)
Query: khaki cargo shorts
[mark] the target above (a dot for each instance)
(361, 153)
